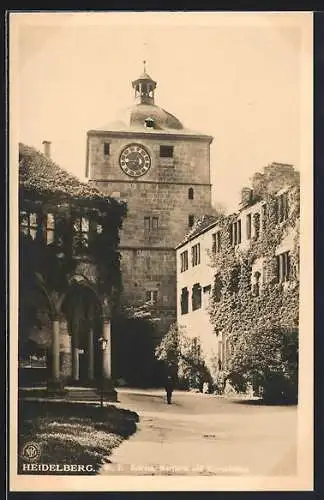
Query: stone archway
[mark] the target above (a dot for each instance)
(82, 310)
(36, 314)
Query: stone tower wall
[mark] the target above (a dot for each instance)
(148, 256)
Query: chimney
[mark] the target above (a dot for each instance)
(47, 148)
(246, 196)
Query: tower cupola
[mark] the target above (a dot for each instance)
(144, 88)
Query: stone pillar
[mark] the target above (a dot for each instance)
(75, 363)
(90, 354)
(56, 351)
(65, 349)
(55, 384)
(106, 354)
(106, 388)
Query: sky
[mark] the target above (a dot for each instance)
(234, 76)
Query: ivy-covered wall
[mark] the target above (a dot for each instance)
(250, 293)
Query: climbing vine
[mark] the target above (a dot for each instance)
(239, 307)
(57, 261)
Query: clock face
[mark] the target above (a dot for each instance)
(135, 160)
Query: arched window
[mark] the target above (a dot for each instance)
(190, 194)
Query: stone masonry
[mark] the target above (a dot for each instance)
(148, 256)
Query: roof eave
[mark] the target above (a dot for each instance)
(191, 238)
(156, 134)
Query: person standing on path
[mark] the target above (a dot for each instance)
(169, 389)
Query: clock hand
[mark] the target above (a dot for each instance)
(137, 160)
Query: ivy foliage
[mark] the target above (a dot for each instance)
(254, 319)
(46, 188)
(57, 261)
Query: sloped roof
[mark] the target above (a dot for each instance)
(41, 175)
(200, 225)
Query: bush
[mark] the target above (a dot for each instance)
(267, 358)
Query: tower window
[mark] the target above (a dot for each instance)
(216, 242)
(195, 254)
(166, 151)
(190, 194)
(235, 233)
(256, 221)
(81, 228)
(29, 224)
(283, 267)
(248, 226)
(184, 300)
(191, 220)
(149, 123)
(147, 223)
(50, 227)
(151, 296)
(106, 148)
(283, 208)
(196, 297)
(151, 224)
(184, 261)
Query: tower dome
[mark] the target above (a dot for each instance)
(144, 114)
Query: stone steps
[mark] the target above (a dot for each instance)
(83, 395)
(70, 394)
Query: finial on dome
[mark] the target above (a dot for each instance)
(144, 63)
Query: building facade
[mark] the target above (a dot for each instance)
(235, 238)
(68, 275)
(162, 170)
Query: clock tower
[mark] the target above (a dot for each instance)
(162, 170)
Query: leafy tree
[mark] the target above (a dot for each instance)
(183, 357)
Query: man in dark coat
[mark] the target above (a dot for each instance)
(169, 388)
